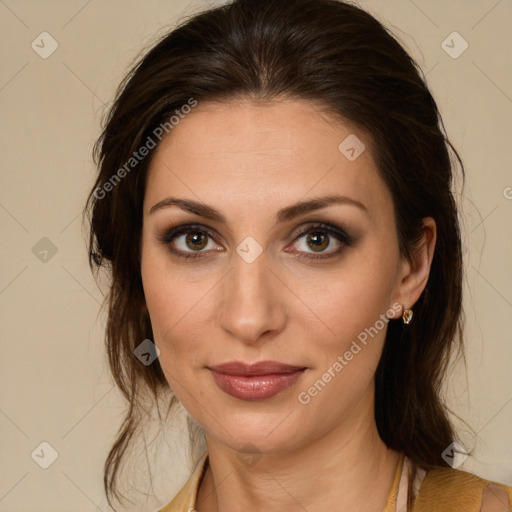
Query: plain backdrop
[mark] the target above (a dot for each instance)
(55, 384)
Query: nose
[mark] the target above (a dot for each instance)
(252, 307)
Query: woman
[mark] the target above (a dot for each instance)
(274, 203)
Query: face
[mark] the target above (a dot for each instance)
(237, 272)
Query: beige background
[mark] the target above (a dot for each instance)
(55, 383)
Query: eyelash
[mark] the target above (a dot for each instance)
(346, 240)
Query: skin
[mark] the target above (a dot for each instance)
(248, 160)
(494, 499)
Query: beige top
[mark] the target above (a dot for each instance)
(437, 490)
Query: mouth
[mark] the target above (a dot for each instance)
(257, 381)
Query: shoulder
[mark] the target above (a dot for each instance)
(447, 490)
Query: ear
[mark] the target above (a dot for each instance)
(414, 273)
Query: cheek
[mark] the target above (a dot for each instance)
(166, 307)
(351, 322)
(177, 302)
(346, 355)
(346, 302)
(165, 295)
(170, 310)
(351, 343)
(161, 294)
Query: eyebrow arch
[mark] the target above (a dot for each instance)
(285, 214)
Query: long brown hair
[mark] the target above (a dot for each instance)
(338, 56)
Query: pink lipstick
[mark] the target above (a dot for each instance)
(257, 381)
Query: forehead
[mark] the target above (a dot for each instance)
(261, 153)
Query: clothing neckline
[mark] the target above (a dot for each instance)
(396, 500)
(453, 489)
(396, 487)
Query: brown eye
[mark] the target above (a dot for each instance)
(196, 241)
(317, 238)
(317, 241)
(189, 241)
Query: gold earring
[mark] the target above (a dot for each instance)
(407, 316)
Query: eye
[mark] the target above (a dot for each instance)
(194, 241)
(318, 238)
(184, 241)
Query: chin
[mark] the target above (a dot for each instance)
(257, 433)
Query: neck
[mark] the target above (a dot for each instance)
(347, 468)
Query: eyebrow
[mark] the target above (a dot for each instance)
(285, 214)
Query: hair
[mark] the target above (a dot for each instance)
(340, 57)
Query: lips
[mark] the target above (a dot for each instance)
(257, 381)
(260, 368)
